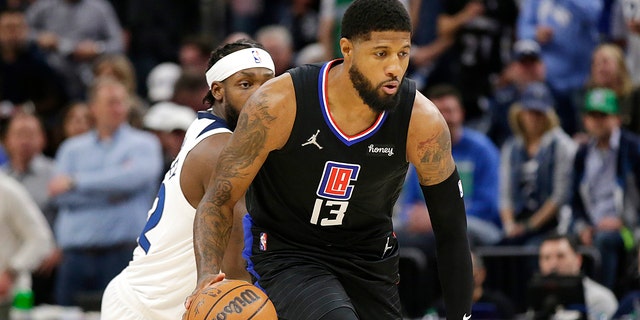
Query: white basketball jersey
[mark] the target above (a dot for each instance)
(163, 271)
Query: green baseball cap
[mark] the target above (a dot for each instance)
(601, 100)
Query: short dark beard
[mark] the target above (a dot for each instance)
(231, 116)
(369, 93)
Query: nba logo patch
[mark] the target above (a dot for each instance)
(263, 241)
(256, 56)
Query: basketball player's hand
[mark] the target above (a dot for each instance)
(207, 281)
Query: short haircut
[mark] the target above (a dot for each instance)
(443, 90)
(572, 240)
(6, 123)
(221, 52)
(366, 16)
(102, 82)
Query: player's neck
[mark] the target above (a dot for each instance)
(343, 95)
(218, 110)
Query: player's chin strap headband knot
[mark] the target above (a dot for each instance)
(239, 60)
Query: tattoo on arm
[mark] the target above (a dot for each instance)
(211, 235)
(214, 220)
(251, 135)
(436, 157)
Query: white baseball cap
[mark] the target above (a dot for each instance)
(168, 116)
(161, 81)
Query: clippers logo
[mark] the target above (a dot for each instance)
(336, 179)
(263, 241)
(256, 56)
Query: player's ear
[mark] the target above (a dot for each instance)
(346, 47)
(217, 90)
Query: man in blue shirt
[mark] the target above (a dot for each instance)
(105, 181)
(477, 159)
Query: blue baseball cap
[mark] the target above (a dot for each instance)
(537, 97)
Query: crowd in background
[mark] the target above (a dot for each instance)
(541, 98)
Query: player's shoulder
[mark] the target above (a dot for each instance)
(276, 93)
(425, 113)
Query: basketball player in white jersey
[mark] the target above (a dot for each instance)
(163, 270)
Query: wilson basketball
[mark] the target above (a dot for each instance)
(231, 300)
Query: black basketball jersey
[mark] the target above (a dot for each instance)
(325, 188)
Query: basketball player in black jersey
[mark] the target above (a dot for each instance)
(322, 152)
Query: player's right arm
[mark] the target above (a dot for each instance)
(264, 125)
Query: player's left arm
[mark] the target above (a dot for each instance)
(429, 150)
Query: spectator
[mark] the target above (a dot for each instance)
(27, 77)
(119, 66)
(609, 70)
(558, 254)
(525, 68)
(76, 120)
(478, 160)
(567, 31)
(104, 184)
(188, 90)
(605, 185)
(626, 29)
(74, 33)
(535, 171)
(481, 31)
(25, 236)
(278, 42)
(194, 52)
(25, 141)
